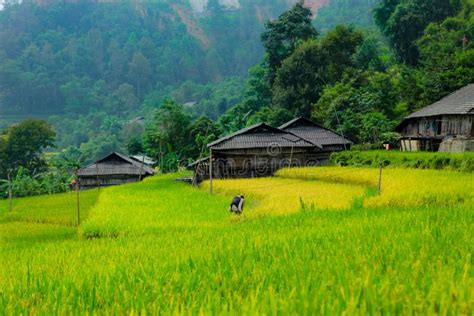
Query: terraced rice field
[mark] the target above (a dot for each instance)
(310, 241)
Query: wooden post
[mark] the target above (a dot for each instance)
(195, 171)
(10, 192)
(380, 179)
(77, 201)
(141, 168)
(210, 171)
(291, 156)
(161, 158)
(97, 176)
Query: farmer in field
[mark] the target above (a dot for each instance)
(237, 205)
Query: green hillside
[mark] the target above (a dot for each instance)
(90, 67)
(354, 12)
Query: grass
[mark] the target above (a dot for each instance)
(153, 206)
(43, 209)
(175, 249)
(463, 162)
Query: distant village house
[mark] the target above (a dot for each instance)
(446, 126)
(115, 169)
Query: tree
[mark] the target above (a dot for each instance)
(168, 133)
(24, 143)
(373, 127)
(3, 155)
(361, 106)
(403, 23)
(446, 61)
(272, 115)
(135, 146)
(282, 36)
(202, 132)
(369, 55)
(256, 96)
(140, 73)
(122, 100)
(302, 76)
(349, 12)
(300, 79)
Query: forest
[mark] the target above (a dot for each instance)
(153, 77)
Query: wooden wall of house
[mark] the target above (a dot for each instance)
(458, 125)
(259, 162)
(410, 145)
(424, 127)
(440, 126)
(91, 182)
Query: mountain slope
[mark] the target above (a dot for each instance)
(80, 56)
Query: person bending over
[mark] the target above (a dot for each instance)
(237, 205)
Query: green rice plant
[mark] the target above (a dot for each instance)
(400, 187)
(53, 209)
(176, 250)
(281, 196)
(159, 208)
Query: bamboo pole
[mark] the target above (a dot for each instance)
(291, 156)
(210, 171)
(78, 206)
(380, 179)
(141, 168)
(10, 192)
(97, 176)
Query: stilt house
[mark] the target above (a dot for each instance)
(447, 125)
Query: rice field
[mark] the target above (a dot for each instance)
(400, 187)
(44, 209)
(282, 196)
(311, 241)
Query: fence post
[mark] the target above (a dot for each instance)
(97, 176)
(77, 200)
(380, 179)
(141, 168)
(10, 192)
(210, 171)
(291, 157)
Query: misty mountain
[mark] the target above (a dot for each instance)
(70, 57)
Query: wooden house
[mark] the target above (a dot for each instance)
(447, 125)
(260, 150)
(114, 169)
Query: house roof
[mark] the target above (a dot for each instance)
(314, 132)
(457, 103)
(259, 136)
(204, 161)
(145, 159)
(116, 164)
